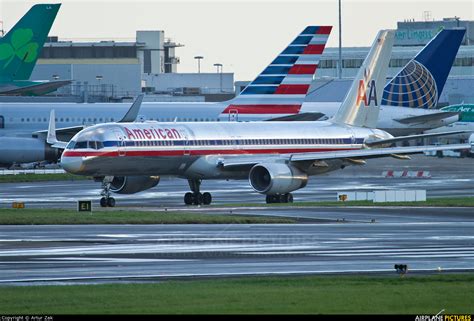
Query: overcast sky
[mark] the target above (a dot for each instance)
(244, 36)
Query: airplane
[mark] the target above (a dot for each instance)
(19, 51)
(277, 157)
(21, 122)
(410, 98)
(465, 122)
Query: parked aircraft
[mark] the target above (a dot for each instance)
(20, 120)
(465, 122)
(276, 157)
(19, 51)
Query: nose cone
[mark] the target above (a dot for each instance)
(72, 165)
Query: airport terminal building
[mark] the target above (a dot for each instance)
(151, 65)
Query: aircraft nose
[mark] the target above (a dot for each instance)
(72, 165)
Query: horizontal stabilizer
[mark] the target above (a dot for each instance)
(411, 137)
(34, 88)
(299, 117)
(427, 118)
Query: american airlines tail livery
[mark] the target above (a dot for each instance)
(276, 157)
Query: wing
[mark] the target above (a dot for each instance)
(299, 117)
(427, 118)
(242, 163)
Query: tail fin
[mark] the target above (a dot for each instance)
(282, 87)
(420, 83)
(21, 46)
(361, 104)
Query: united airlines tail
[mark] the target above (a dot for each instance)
(361, 104)
(420, 83)
(281, 88)
(20, 47)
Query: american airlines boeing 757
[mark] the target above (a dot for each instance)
(276, 157)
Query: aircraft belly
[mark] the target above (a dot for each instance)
(123, 166)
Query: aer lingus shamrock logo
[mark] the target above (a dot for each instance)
(19, 46)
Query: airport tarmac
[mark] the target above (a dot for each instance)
(329, 240)
(450, 177)
(101, 253)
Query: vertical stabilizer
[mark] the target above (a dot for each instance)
(420, 83)
(361, 104)
(280, 89)
(21, 46)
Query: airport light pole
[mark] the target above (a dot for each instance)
(199, 62)
(220, 80)
(99, 78)
(339, 69)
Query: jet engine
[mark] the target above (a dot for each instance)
(133, 184)
(276, 178)
(18, 150)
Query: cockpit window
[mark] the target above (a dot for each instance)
(86, 144)
(80, 145)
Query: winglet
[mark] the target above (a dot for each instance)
(132, 113)
(51, 136)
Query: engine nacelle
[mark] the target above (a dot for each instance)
(133, 184)
(276, 178)
(18, 150)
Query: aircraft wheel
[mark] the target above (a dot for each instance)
(289, 198)
(206, 198)
(197, 198)
(103, 202)
(111, 202)
(188, 198)
(270, 199)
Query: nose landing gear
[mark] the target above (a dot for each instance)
(106, 200)
(279, 198)
(196, 197)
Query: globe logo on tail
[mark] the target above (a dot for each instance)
(414, 86)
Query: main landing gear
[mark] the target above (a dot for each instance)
(196, 197)
(279, 198)
(106, 200)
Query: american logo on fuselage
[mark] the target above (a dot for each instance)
(152, 133)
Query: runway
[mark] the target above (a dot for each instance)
(99, 253)
(328, 240)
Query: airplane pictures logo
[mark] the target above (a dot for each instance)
(367, 92)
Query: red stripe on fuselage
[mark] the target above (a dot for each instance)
(262, 109)
(135, 153)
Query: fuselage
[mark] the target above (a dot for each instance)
(194, 150)
(19, 119)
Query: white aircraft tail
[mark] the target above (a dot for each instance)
(361, 104)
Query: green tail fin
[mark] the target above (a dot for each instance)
(21, 46)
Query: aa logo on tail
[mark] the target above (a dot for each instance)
(363, 88)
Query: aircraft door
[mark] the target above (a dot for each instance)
(2, 122)
(121, 143)
(233, 115)
(186, 151)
